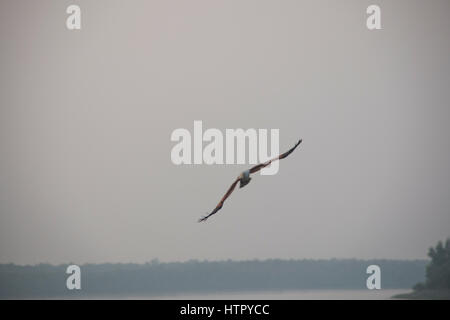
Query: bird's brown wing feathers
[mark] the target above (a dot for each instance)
(281, 156)
(220, 204)
(252, 170)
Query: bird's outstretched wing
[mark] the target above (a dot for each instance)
(281, 156)
(220, 204)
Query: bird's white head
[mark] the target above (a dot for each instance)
(245, 178)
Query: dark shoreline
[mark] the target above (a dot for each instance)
(425, 295)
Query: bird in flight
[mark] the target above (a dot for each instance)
(244, 179)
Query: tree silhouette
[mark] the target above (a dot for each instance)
(438, 270)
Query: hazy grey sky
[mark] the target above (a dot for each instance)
(86, 118)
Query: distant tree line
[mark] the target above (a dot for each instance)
(156, 279)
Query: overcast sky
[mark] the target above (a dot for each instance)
(86, 118)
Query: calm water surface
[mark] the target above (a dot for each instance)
(287, 295)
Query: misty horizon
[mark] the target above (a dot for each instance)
(156, 279)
